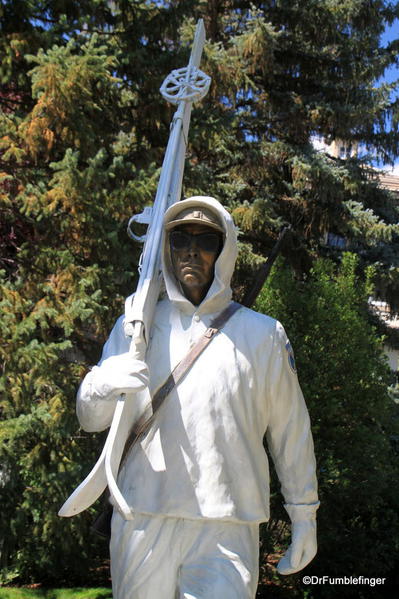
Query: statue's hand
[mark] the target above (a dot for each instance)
(117, 375)
(303, 547)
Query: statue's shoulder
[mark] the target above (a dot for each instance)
(256, 319)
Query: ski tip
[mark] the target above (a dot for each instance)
(71, 508)
(66, 511)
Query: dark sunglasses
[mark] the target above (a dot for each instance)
(208, 242)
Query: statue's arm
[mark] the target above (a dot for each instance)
(116, 373)
(290, 442)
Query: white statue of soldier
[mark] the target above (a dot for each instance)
(198, 482)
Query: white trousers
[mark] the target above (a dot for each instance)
(156, 557)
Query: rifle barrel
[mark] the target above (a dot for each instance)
(264, 270)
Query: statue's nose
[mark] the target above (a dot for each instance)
(193, 248)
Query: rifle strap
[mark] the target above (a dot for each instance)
(179, 371)
(102, 524)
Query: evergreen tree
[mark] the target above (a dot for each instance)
(344, 377)
(82, 134)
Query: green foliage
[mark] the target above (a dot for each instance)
(66, 196)
(345, 380)
(66, 86)
(24, 593)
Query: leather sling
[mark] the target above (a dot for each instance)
(178, 373)
(102, 524)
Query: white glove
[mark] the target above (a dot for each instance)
(117, 375)
(303, 547)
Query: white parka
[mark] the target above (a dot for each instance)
(204, 455)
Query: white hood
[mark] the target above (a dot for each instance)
(219, 293)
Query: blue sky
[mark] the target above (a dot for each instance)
(390, 34)
(392, 74)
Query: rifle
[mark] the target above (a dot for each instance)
(182, 87)
(264, 269)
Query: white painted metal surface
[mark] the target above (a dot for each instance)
(182, 87)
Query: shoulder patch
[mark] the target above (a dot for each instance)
(290, 356)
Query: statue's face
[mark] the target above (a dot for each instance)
(194, 249)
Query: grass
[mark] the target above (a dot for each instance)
(39, 593)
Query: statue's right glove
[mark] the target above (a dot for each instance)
(117, 375)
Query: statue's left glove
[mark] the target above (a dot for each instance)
(303, 546)
(117, 375)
